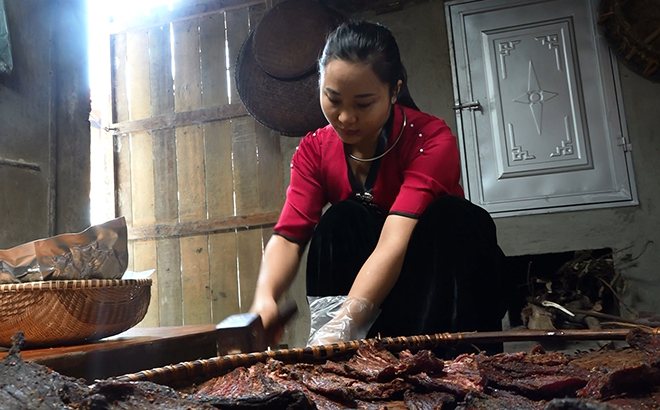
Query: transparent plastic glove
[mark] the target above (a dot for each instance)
(337, 319)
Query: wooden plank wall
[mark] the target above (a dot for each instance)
(198, 180)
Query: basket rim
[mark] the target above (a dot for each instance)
(73, 284)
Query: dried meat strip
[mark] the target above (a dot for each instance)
(429, 401)
(253, 388)
(613, 372)
(114, 395)
(648, 342)
(422, 361)
(459, 377)
(371, 362)
(498, 400)
(25, 385)
(535, 376)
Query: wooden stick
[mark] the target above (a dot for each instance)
(215, 366)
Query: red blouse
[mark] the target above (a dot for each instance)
(422, 166)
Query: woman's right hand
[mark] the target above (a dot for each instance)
(266, 307)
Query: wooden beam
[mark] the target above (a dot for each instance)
(162, 15)
(177, 119)
(203, 227)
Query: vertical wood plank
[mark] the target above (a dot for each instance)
(218, 165)
(166, 206)
(255, 13)
(195, 280)
(122, 166)
(213, 60)
(249, 259)
(131, 255)
(187, 78)
(142, 179)
(266, 233)
(145, 258)
(160, 71)
(119, 93)
(190, 173)
(271, 192)
(223, 275)
(237, 31)
(246, 184)
(137, 51)
(169, 282)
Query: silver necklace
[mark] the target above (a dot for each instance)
(389, 149)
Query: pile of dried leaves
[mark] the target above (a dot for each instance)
(583, 293)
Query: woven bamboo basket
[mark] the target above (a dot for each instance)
(57, 313)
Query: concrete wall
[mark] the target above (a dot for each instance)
(421, 32)
(44, 109)
(422, 36)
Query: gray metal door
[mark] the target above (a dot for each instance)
(536, 97)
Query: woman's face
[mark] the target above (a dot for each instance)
(355, 102)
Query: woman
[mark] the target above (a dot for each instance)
(399, 238)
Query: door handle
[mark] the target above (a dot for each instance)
(472, 106)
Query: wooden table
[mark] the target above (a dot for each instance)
(129, 352)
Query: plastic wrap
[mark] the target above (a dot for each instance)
(339, 319)
(6, 62)
(99, 252)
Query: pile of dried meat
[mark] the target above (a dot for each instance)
(30, 386)
(374, 378)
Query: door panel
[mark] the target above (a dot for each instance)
(547, 134)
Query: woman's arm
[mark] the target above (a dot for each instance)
(381, 271)
(372, 284)
(277, 271)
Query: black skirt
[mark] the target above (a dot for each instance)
(453, 276)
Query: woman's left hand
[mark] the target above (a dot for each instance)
(351, 322)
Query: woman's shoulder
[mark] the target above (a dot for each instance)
(318, 139)
(422, 118)
(419, 121)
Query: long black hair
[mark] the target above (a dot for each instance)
(369, 43)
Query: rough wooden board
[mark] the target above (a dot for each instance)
(187, 78)
(237, 31)
(160, 70)
(118, 74)
(246, 184)
(224, 275)
(169, 282)
(142, 179)
(195, 280)
(202, 115)
(266, 233)
(181, 11)
(190, 173)
(219, 173)
(122, 158)
(139, 83)
(249, 259)
(145, 259)
(166, 205)
(213, 60)
(131, 256)
(204, 226)
(288, 147)
(271, 192)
